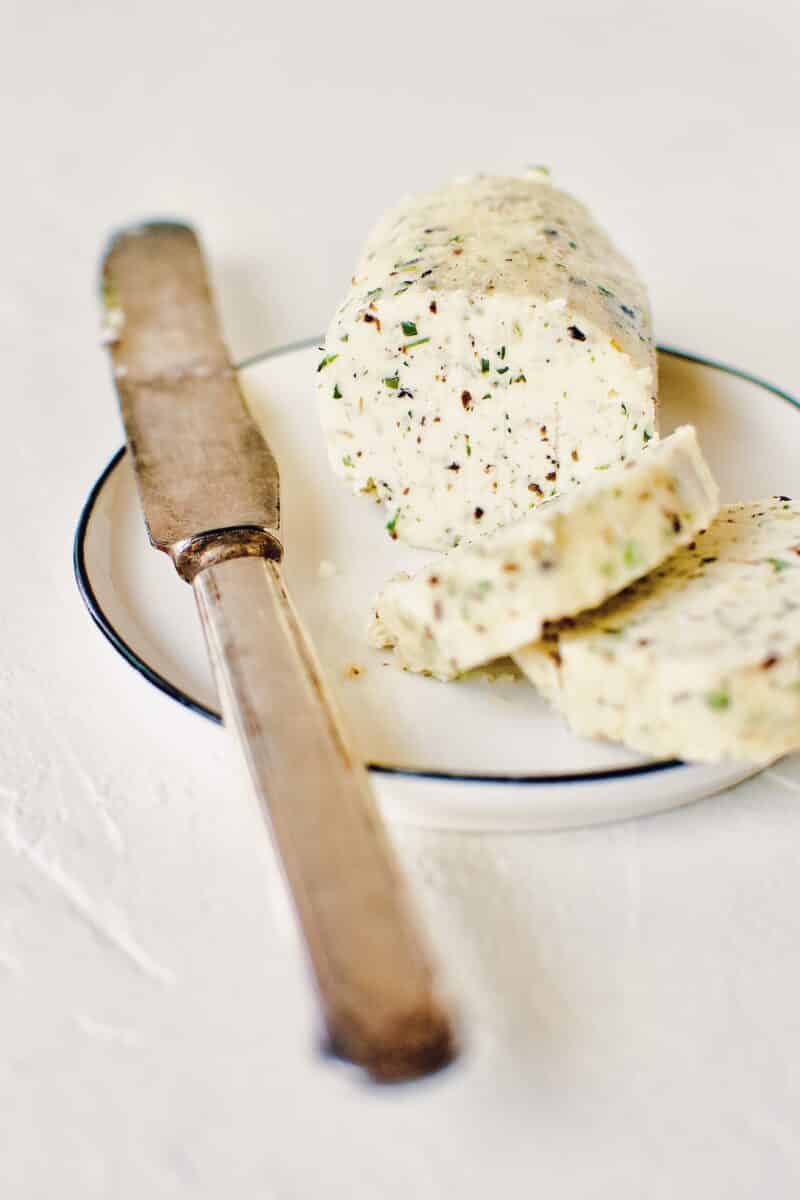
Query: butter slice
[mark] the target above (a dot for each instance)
(700, 660)
(489, 597)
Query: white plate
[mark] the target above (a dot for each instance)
(477, 754)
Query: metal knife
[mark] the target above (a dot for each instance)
(209, 488)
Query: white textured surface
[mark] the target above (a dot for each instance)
(632, 990)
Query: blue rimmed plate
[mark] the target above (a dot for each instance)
(483, 753)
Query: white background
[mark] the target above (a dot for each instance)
(632, 992)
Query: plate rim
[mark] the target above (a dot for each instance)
(161, 683)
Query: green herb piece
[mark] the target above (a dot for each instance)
(404, 286)
(486, 396)
(484, 586)
(630, 555)
(646, 436)
(603, 467)
(718, 700)
(337, 395)
(502, 352)
(604, 290)
(392, 381)
(109, 294)
(411, 345)
(373, 295)
(347, 461)
(392, 525)
(780, 564)
(485, 366)
(573, 245)
(517, 328)
(345, 337)
(520, 378)
(327, 360)
(409, 328)
(502, 370)
(456, 238)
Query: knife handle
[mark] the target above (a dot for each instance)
(373, 969)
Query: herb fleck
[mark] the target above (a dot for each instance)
(630, 554)
(327, 360)
(409, 328)
(485, 365)
(718, 700)
(337, 395)
(392, 381)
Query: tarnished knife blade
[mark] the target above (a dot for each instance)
(200, 461)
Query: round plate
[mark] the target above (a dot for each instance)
(482, 753)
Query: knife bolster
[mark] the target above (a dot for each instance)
(195, 554)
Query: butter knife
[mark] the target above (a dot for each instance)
(209, 489)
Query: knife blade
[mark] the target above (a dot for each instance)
(209, 490)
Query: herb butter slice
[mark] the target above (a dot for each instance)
(494, 348)
(488, 597)
(701, 660)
